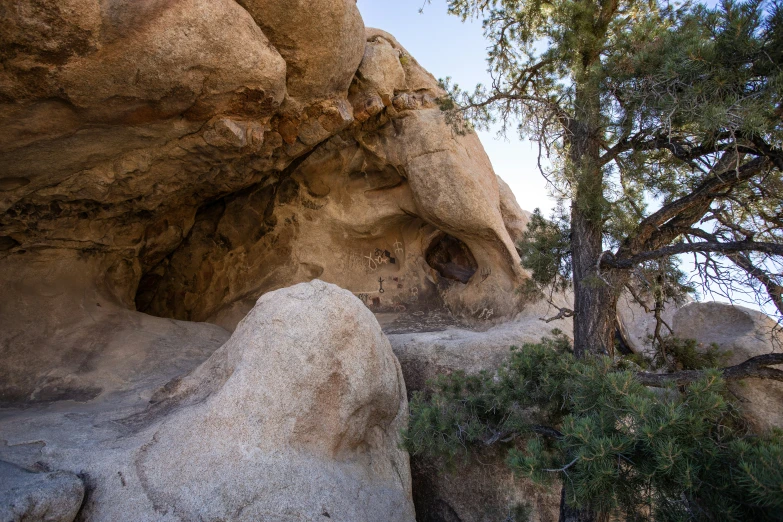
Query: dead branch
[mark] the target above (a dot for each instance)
(756, 367)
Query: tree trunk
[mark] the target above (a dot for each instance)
(572, 514)
(595, 297)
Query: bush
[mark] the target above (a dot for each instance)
(617, 446)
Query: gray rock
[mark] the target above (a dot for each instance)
(296, 418)
(304, 421)
(26, 496)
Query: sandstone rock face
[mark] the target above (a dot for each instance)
(67, 337)
(296, 417)
(220, 150)
(47, 497)
(163, 164)
(368, 209)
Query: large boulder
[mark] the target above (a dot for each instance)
(321, 40)
(397, 208)
(304, 423)
(296, 417)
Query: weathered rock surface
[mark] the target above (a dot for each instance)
(67, 337)
(379, 200)
(483, 490)
(54, 496)
(163, 163)
(220, 150)
(296, 417)
(424, 355)
(745, 333)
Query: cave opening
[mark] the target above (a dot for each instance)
(451, 258)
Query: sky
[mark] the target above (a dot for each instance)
(445, 46)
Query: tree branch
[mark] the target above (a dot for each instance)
(755, 367)
(702, 246)
(664, 225)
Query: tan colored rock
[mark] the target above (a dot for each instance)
(296, 417)
(417, 78)
(746, 333)
(396, 197)
(170, 146)
(381, 68)
(330, 446)
(67, 336)
(424, 355)
(46, 497)
(322, 41)
(184, 158)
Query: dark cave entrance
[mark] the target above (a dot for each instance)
(451, 258)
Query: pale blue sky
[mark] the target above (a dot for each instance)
(447, 47)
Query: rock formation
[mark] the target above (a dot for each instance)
(48, 496)
(296, 417)
(745, 333)
(163, 164)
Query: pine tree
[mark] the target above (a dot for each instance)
(664, 127)
(665, 130)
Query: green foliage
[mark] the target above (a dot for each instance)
(622, 448)
(687, 357)
(545, 250)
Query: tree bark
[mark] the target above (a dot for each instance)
(756, 367)
(595, 298)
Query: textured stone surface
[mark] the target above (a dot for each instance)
(638, 326)
(482, 490)
(165, 163)
(297, 415)
(423, 355)
(45, 496)
(181, 159)
(367, 204)
(67, 337)
(306, 421)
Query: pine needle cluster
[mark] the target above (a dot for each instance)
(619, 448)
